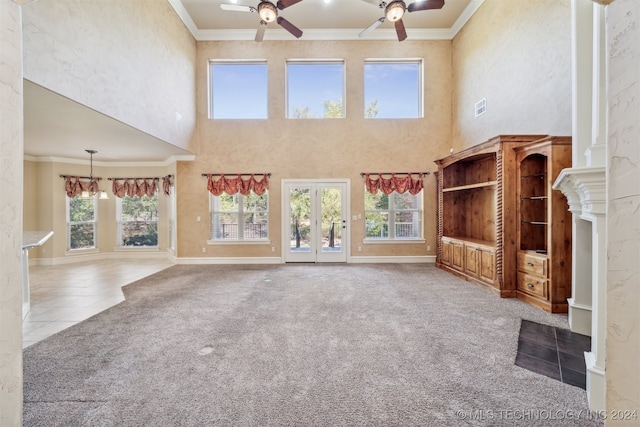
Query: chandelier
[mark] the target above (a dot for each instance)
(93, 186)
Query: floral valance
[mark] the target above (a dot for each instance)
(134, 187)
(238, 184)
(75, 185)
(167, 184)
(400, 184)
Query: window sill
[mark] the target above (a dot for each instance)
(81, 251)
(393, 241)
(238, 242)
(136, 248)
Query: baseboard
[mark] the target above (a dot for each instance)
(430, 259)
(97, 256)
(218, 260)
(230, 260)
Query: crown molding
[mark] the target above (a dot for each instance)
(277, 34)
(325, 34)
(130, 164)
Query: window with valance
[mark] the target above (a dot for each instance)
(393, 206)
(239, 207)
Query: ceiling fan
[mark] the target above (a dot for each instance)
(268, 13)
(395, 9)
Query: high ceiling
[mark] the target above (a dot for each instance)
(321, 19)
(55, 126)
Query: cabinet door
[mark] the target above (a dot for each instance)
(457, 255)
(446, 252)
(471, 260)
(487, 264)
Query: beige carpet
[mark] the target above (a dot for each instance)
(308, 345)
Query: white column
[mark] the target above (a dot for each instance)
(596, 154)
(581, 277)
(595, 359)
(11, 186)
(582, 78)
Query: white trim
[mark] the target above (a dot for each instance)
(238, 242)
(425, 259)
(134, 164)
(96, 256)
(284, 213)
(326, 34)
(230, 260)
(465, 16)
(371, 241)
(184, 16)
(323, 34)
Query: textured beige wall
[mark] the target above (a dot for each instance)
(11, 187)
(335, 148)
(517, 55)
(623, 211)
(51, 204)
(140, 50)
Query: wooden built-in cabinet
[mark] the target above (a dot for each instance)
(544, 225)
(477, 213)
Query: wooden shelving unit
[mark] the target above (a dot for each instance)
(477, 213)
(544, 225)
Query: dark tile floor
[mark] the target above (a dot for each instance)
(554, 352)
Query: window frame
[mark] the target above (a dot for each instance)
(212, 63)
(214, 200)
(328, 61)
(70, 223)
(119, 225)
(390, 61)
(391, 211)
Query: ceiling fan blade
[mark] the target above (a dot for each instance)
(238, 8)
(286, 3)
(400, 31)
(260, 33)
(297, 32)
(371, 27)
(425, 5)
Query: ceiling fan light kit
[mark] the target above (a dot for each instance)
(268, 13)
(394, 11)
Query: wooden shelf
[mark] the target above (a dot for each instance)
(466, 239)
(487, 184)
(544, 244)
(477, 212)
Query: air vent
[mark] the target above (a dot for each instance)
(481, 106)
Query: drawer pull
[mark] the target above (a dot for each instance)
(530, 285)
(530, 264)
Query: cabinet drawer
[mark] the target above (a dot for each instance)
(533, 285)
(530, 263)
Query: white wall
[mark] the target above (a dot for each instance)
(517, 55)
(139, 50)
(11, 148)
(623, 214)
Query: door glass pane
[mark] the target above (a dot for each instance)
(331, 213)
(300, 236)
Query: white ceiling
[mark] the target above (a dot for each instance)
(55, 126)
(321, 20)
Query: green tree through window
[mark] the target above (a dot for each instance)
(81, 223)
(138, 221)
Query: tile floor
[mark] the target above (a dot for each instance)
(554, 352)
(63, 295)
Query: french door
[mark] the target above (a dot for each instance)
(315, 214)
